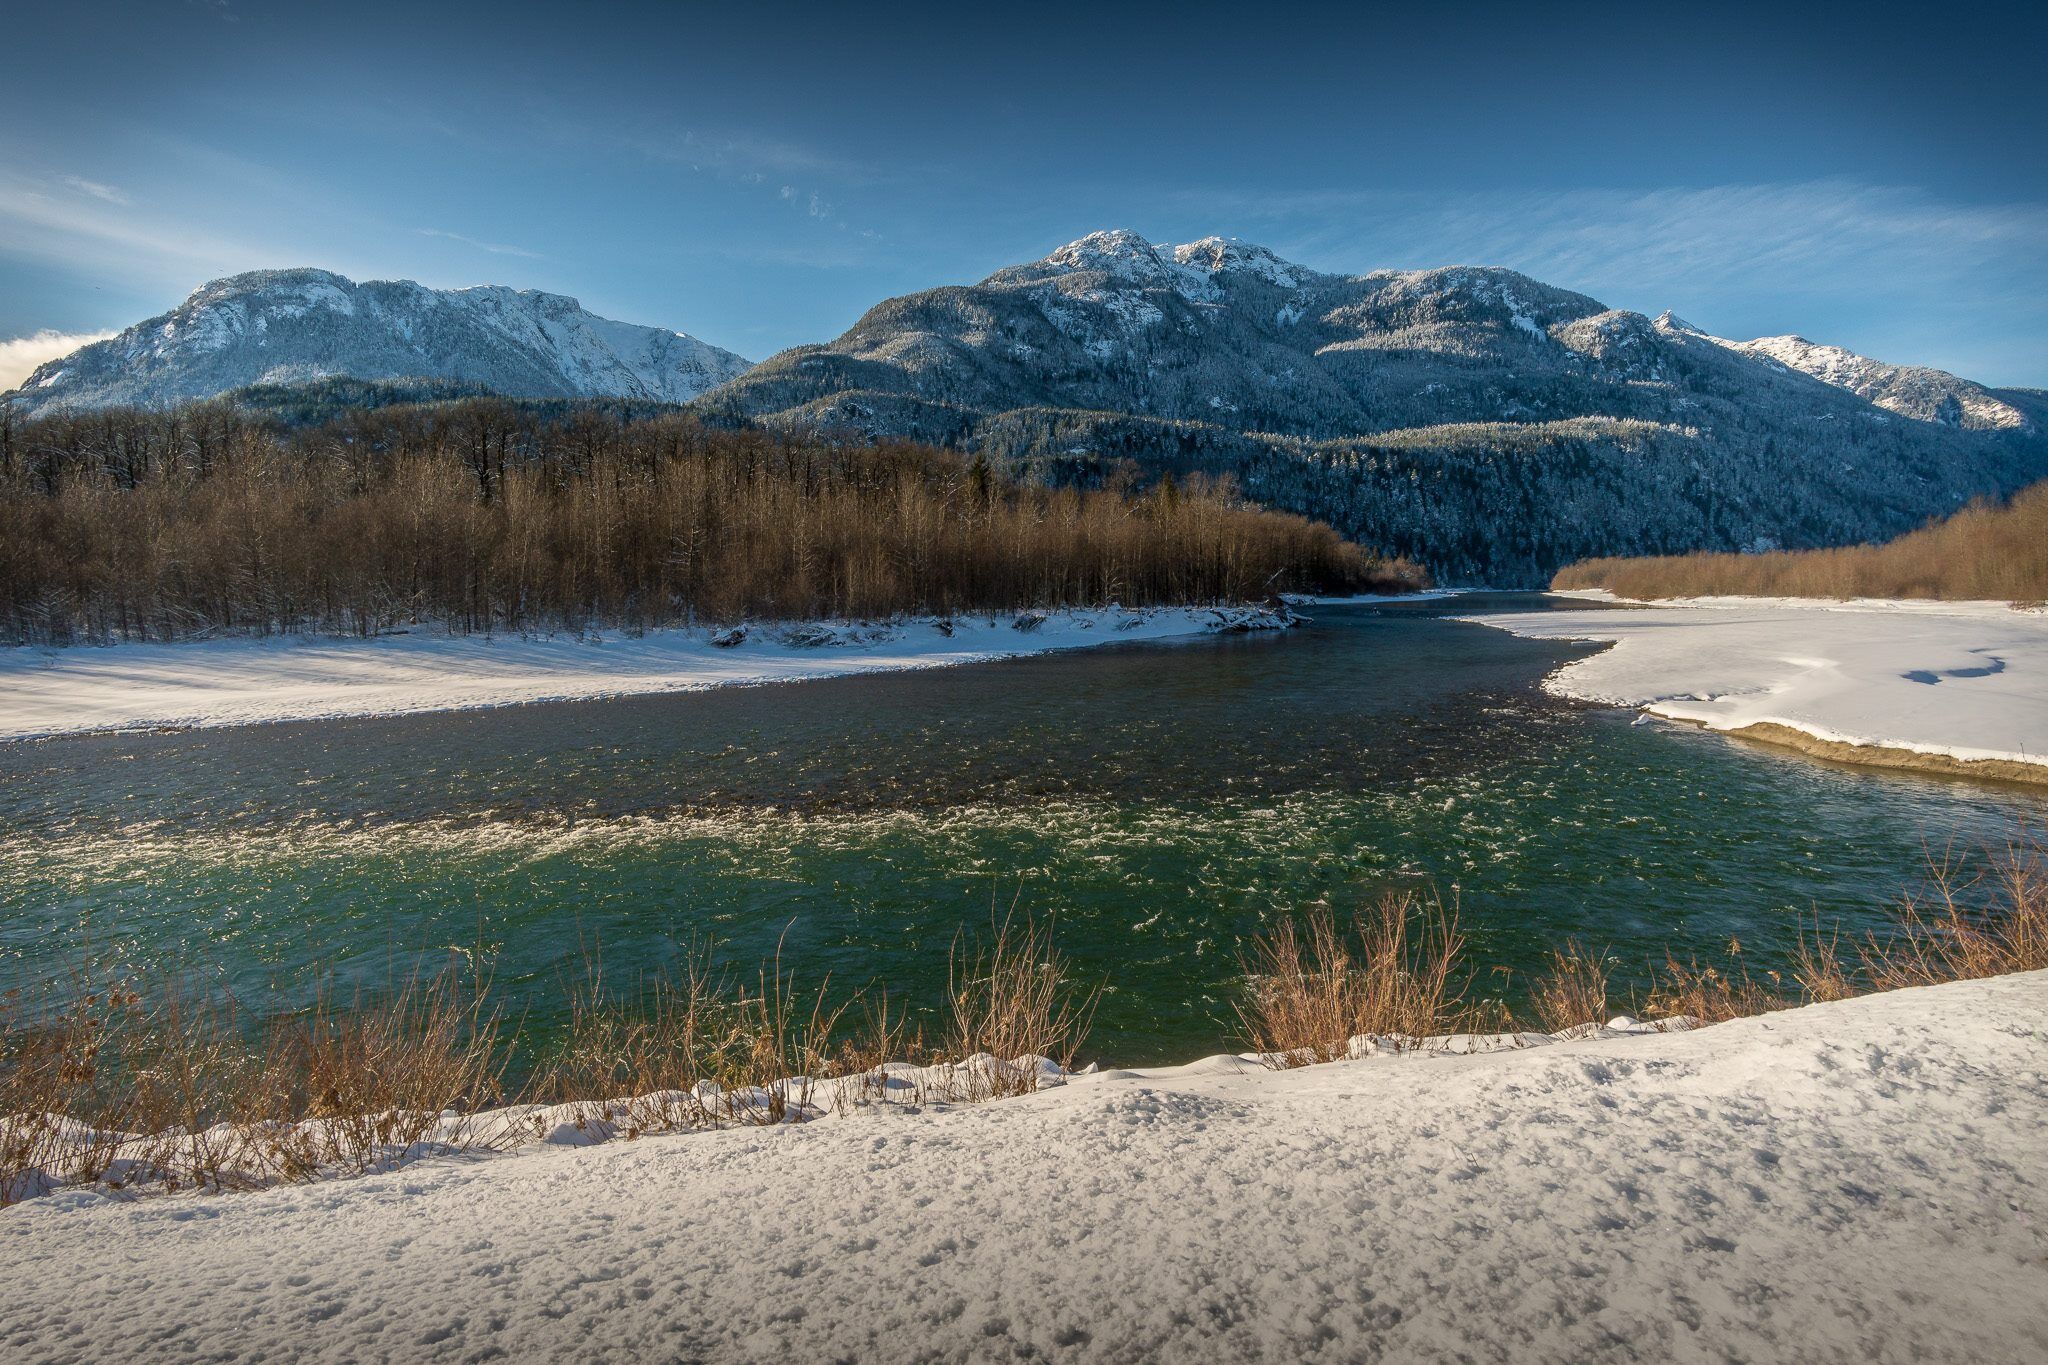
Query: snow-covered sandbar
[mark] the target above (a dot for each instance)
(245, 681)
(1847, 1182)
(1946, 686)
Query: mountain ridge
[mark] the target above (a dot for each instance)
(1481, 421)
(303, 324)
(1490, 424)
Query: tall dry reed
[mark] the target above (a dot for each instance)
(1011, 1000)
(1572, 991)
(1982, 915)
(165, 1083)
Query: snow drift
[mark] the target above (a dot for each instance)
(1965, 682)
(1845, 1182)
(76, 689)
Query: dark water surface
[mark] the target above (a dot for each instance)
(1163, 799)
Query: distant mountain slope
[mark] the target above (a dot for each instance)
(292, 326)
(1915, 391)
(1480, 420)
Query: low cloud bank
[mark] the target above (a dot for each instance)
(20, 356)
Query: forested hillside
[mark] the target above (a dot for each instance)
(1490, 425)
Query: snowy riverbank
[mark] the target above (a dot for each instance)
(1949, 686)
(250, 681)
(1855, 1181)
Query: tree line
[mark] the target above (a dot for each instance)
(1988, 551)
(483, 515)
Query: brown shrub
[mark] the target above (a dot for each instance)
(1940, 936)
(1985, 551)
(1819, 967)
(1572, 991)
(1394, 972)
(1010, 999)
(1710, 995)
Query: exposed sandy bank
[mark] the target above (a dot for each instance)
(1881, 756)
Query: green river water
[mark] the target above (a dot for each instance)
(1161, 800)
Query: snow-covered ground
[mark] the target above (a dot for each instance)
(248, 681)
(1961, 680)
(1862, 1181)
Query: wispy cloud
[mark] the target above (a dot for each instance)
(86, 232)
(95, 189)
(20, 356)
(1927, 278)
(794, 171)
(495, 248)
(749, 156)
(1671, 235)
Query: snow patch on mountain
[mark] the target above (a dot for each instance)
(1197, 271)
(1223, 255)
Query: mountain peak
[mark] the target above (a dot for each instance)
(303, 323)
(1112, 246)
(1668, 321)
(1791, 341)
(1218, 255)
(1191, 268)
(273, 278)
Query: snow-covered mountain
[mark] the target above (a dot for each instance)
(1915, 391)
(1210, 330)
(1483, 421)
(289, 326)
(1486, 423)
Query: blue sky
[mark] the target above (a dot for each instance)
(1860, 175)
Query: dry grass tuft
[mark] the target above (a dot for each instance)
(1013, 1000)
(52, 1087)
(380, 1074)
(1394, 972)
(169, 1087)
(1942, 937)
(1573, 991)
(1711, 995)
(692, 1049)
(1819, 967)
